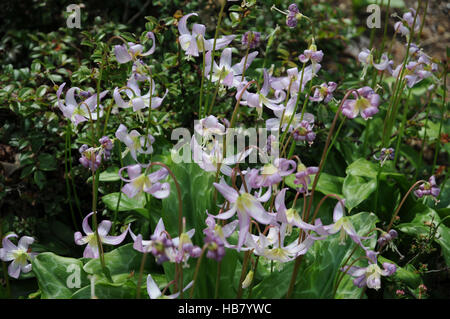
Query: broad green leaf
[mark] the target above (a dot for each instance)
(327, 184)
(356, 189)
(56, 275)
(120, 261)
(39, 179)
(136, 204)
(407, 275)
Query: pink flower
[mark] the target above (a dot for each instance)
(91, 250)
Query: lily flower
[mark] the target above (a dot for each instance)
(272, 247)
(134, 141)
(366, 104)
(195, 42)
(230, 76)
(260, 99)
(210, 158)
(155, 293)
(370, 276)
(282, 83)
(343, 225)
(283, 119)
(136, 99)
(291, 217)
(133, 51)
(302, 177)
(20, 255)
(138, 182)
(246, 206)
(429, 188)
(273, 173)
(216, 237)
(324, 93)
(92, 250)
(312, 55)
(79, 112)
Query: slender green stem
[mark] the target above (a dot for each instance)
(216, 290)
(244, 68)
(401, 203)
(438, 142)
(5, 271)
(214, 97)
(141, 272)
(120, 190)
(243, 273)
(66, 169)
(402, 127)
(202, 83)
(345, 272)
(424, 141)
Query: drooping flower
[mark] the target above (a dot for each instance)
(343, 225)
(134, 141)
(260, 99)
(292, 81)
(136, 99)
(142, 182)
(291, 217)
(311, 54)
(283, 118)
(385, 154)
(366, 104)
(367, 59)
(155, 293)
(246, 206)
(251, 39)
(91, 157)
(20, 255)
(273, 247)
(324, 93)
(92, 249)
(194, 42)
(429, 188)
(211, 156)
(273, 173)
(125, 53)
(370, 276)
(79, 112)
(216, 237)
(304, 132)
(229, 75)
(302, 177)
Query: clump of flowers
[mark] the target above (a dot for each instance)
(251, 39)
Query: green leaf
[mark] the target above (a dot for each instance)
(55, 272)
(120, 261)
(356, 189)
(39, 179)
(327, 184)
(47, 162)
(136, 203)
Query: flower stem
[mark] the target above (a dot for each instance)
(401, 204)
(438, 142)
(197, 268)
(66, 169)
(243, 273)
